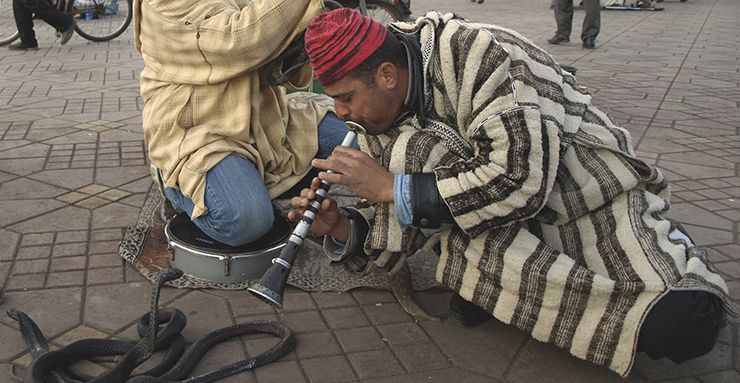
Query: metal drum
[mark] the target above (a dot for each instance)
(199, 255)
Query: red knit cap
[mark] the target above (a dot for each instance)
(338, 41)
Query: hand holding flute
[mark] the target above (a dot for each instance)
(272, 284)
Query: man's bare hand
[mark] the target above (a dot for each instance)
(329, 221)
(359, 172)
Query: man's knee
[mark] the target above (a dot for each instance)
(237, 225)
(682, 325)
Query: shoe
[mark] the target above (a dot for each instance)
(569, 68)
(21, 46)
(466, 314)
(66, 35)
(645, 4)
(558, 39)
(588, 43)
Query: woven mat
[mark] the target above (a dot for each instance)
(144, 245)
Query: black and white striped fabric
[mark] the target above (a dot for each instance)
(559, 224)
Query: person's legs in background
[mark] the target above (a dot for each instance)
(591, 23)
(24, 10)
(564, 21)
(24, 22)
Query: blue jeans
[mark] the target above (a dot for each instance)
(239, 207)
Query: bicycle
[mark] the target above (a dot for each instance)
(382, 11)
(97, 20)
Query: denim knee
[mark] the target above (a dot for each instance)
(332, 131)
(237, 225)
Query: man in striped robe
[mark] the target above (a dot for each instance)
(480, 146)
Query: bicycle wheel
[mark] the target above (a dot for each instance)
(379, 10)
(101, 20)
(8, 31)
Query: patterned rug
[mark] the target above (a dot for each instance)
(144, 245)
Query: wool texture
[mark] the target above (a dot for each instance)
(340, 40)
(559, 225)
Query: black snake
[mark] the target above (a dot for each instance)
(52, 366)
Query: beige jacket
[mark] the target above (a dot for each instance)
(203, 93)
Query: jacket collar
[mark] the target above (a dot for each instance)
(414, 100)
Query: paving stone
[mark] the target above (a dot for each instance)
(400, 334)
(26, 282)
(345, 317)
(31, 266)
(114, 215)
(27, 189)
(304, 321)
(106, 275)
(317, 344)
(470, 348)
(560, 367)
(66, 218)
(372, 296)
(55, 311)
(380, 314)
(249, 305)
(66, 279)
(22, 210)
(92, 203)
(110, 307)
(13, 344)
(437, 376)
(360, 339)
(297, 300)
(8, 244)
(205, 313)
(105, 260)
(421, 357)
(103, 246)
(33, 252)
(280, 372)
(65, 178)
(328, 369)
(374, 363)
(327, 300)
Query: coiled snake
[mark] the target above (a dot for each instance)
(51, 366)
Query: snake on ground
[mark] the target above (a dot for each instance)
(52, 365)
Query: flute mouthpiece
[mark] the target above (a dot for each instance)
(355, 127)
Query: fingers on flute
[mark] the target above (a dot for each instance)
(294, 216)
(315, 183)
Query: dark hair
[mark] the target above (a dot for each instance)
(391, 51)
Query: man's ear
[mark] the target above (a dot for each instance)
(387, 75)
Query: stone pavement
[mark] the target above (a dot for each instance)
(73, 175)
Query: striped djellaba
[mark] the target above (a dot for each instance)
(560, 229)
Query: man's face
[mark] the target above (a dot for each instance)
(375, 108)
